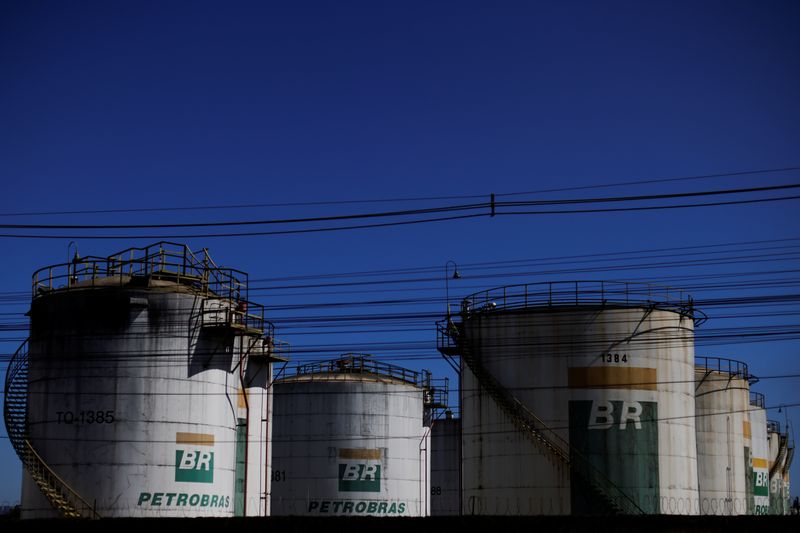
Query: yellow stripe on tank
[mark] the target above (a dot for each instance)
(760, 463)
(203, 439)
(612, 377)
(360, 453)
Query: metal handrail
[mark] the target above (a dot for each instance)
(773, 426)
(62, 485)
(165, 259)
(61, 495)
(16, 428)
(560, 293)
(249, 316)
(757, 399)
(732, 367)
(364, 364)
(438, 392)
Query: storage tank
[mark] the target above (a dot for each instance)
(723, 435)
(760, 454)
(143, 389)
(445, 466)
(352, 440)
(578, 398)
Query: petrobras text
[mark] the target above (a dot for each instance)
(182, 499)
(365, 507)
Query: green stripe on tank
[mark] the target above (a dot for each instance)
(619, 439)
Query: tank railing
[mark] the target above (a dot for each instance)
(437, 392)
(735, 369)
(280, 349)
(163, 259)
(15, 404)
(773, 426)
(66, 500)
(757, 399)
(559, 293)
(248, 316)
(15, 414)
(362, 364)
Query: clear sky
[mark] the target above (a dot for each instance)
(128, 105)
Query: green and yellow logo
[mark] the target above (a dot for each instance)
(359, 470)
(194, 458)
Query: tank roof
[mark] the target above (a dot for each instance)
(577, 294)
(165, 266)
(357, 367)
(159, 262)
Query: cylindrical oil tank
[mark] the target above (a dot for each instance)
(446, 466)
(760, 454)
(723, 435)
(145, 369)
(350, 440)
(578, 398)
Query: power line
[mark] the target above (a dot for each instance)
(441, 209)
(403, 199)
(472, 207)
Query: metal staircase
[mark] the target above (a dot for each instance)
(451, 342)
(64, 499)
(783, 449)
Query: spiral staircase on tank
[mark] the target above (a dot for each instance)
(61, 496)
(451, 343)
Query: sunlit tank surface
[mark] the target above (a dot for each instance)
(760, 455)
(578, 397)
(445, 469)
(351, 440)
(147, 395)
(723, 435)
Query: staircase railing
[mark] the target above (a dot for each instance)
(61, 496)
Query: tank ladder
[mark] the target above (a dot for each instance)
(61, 496)
(451, 343)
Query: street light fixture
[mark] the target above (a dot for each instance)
(456, 275)
(72, 263)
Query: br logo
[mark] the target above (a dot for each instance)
(359, 470)
(194, 458)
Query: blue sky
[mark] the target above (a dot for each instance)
(154, 104)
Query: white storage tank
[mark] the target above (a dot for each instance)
(351, 440)
(446, 466)
(146, 391)
(723, 435)
(760, 454)
(578, 398)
